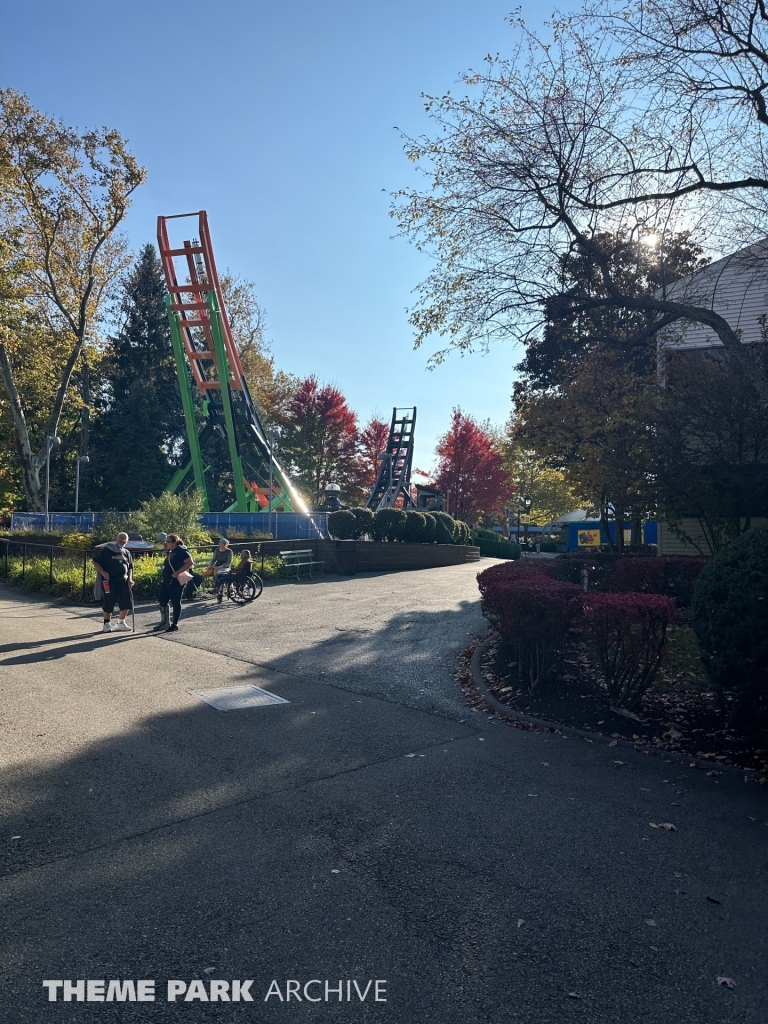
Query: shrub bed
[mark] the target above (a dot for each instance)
(627, 633)
(532, 612)
(498, 548)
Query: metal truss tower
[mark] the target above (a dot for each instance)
(203, 344)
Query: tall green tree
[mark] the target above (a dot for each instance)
(139, 432)
(63, 196)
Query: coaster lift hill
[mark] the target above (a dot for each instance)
(203, 345)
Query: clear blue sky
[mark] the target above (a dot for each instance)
(278, 119)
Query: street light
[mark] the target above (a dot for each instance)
(50, 441)
(82, 460)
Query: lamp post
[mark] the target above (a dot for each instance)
(527, 503)
(82, 460)
(50, 441)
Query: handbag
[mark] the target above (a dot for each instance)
(184, 577)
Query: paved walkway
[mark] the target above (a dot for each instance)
(370, 828)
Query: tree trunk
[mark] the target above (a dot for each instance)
(30, 465)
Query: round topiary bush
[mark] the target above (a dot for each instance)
(464, 534)
(415, 525)
(389, 524)
(342, 525)
(429, 528)
(730, 617)
(443, 528)
(364, 517)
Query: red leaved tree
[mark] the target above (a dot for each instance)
(321, 438)
(373, 441)
(471, 467)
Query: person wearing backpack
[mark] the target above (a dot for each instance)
(114, 563)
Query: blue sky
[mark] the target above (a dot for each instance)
(278, 118)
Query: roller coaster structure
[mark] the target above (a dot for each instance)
(203, 345)
(394, 480)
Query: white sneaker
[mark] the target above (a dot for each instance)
(122, 627)
(107, 627)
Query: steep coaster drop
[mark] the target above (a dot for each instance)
(203, 343)
(394, 479)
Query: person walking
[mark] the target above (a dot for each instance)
(177, 573)
(114, 563)
(164, 596)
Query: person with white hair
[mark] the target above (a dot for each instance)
(114, 564)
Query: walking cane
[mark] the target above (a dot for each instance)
(133, 611)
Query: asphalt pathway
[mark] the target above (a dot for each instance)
(372, 828)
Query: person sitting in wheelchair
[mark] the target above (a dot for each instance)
(241, 571)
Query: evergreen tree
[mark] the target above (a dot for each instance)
(139, 434)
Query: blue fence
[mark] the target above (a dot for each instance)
(61, 522)
(284, 525)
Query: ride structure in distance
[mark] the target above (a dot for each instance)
(203, 346)
(394, 480)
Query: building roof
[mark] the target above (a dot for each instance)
(736, 287)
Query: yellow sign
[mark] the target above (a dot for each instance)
(628, 536)
(589, 538)
(525, 519)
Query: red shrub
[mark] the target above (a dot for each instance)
(627, 632)
(531, 611)
(672, 576)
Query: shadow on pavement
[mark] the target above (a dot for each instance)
(340, 836)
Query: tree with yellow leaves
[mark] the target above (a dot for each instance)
(63, 196)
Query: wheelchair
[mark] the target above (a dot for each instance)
(244, 589)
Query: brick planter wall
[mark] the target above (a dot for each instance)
(350, 556)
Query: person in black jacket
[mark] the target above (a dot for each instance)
(114, 563)
(177, 561)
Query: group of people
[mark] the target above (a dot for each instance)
(114, 567)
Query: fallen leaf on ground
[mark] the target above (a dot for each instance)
(520, 922)
(335, 871)
(619, 762)
(574, 995)
(711, 899)
(209, 970)
(668, 826)
(613, 743)
(655, 949)
(679, 892)
(410, 755)
(727, 982)
(650, 922)
(15, 837)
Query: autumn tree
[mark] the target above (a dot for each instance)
(471, 466)
(371, 443)
(320, 439)
(571, 146)
(64, 196)
(551, 493)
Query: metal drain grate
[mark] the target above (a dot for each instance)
(233, 698)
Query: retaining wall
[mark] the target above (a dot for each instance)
(350, 556)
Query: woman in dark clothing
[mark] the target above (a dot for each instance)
(177, 561)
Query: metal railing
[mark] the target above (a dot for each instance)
(32, 553)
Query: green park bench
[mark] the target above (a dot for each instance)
(299, 560)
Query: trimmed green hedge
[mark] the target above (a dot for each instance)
(498, 548)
